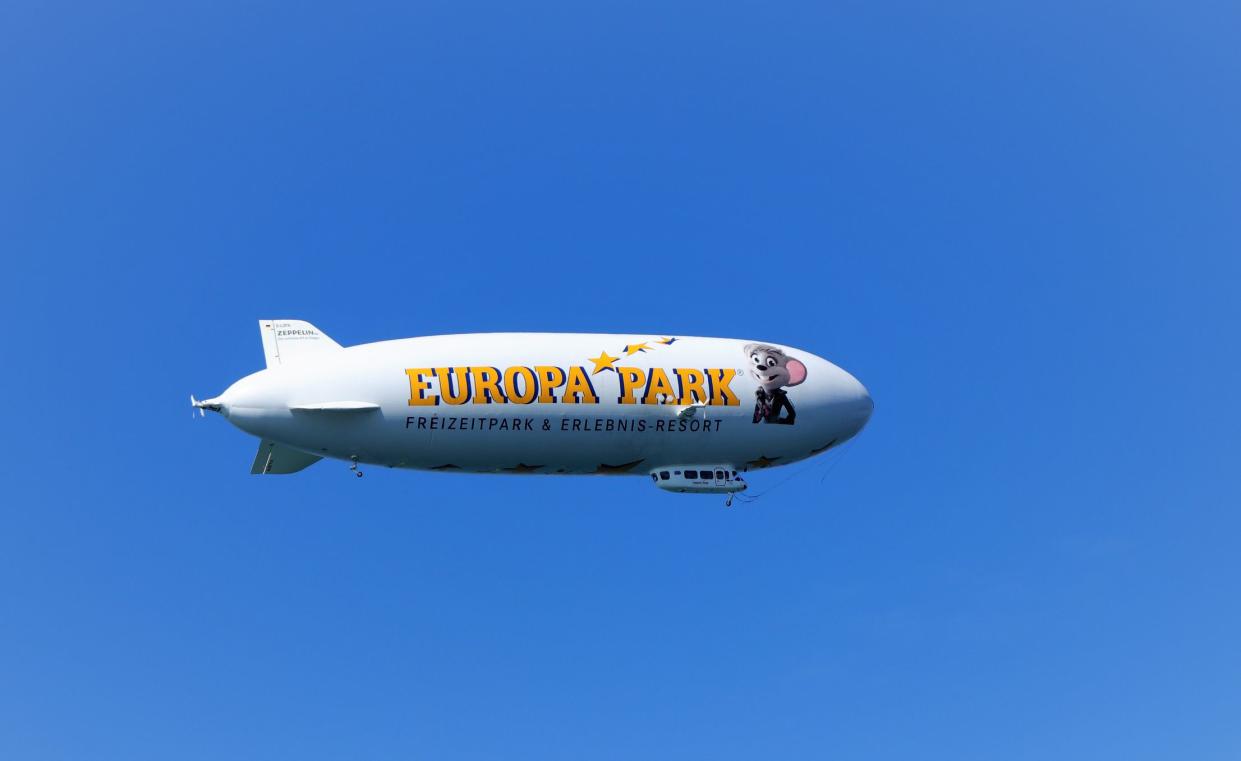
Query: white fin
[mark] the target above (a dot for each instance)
(335, 407)
(289, 341)
(275, 459)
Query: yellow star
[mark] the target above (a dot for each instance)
(603, 362)
(666, 341)
(635, 348)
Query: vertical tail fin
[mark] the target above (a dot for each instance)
(289, 341)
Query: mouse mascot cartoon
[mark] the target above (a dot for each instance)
(774, 370)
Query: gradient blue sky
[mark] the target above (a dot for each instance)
(1016, 223)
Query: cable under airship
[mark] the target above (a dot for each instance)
(689, 413)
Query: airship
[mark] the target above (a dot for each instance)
(691, 414)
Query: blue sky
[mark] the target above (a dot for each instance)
(1016, 223)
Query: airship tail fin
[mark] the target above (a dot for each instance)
(273, 459)
(289, 341)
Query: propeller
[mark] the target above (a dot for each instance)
(204, 405)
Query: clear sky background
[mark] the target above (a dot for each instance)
(1016, 223)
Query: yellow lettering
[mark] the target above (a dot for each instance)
(418, 387)
(487, 385)
(658, 385)
(579, 385)
(550, 378)
(720, 391)
(691, 382)
(454, 384)
(528, 389)
(631, 379)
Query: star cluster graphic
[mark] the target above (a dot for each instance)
(605, 361)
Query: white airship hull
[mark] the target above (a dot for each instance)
(542, 403)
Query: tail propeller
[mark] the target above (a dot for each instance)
(204, 405)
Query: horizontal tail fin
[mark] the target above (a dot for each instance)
(334, 407)
(277, 459)
(289, 341)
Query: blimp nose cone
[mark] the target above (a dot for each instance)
(856, 404)
(866, 405)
